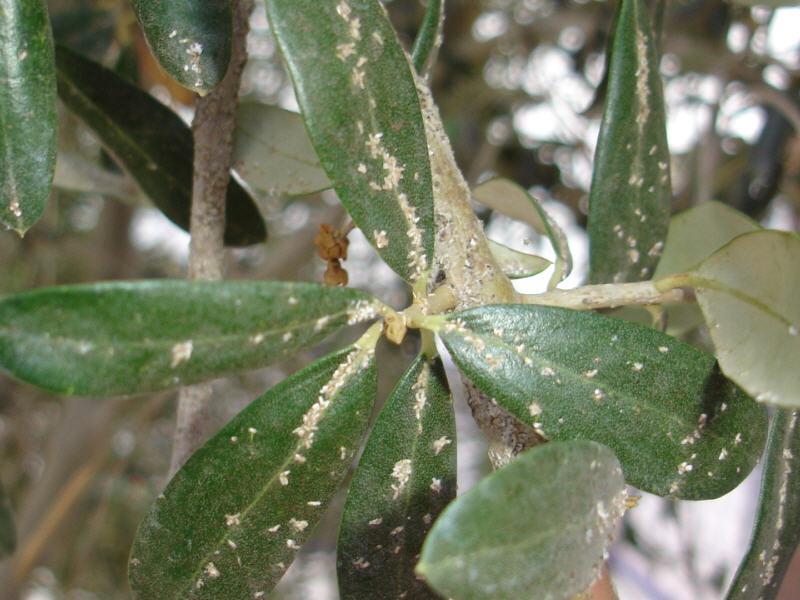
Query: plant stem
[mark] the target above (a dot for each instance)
(610, 295)
(213, 127)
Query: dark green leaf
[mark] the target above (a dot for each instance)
(512, 200)
(191, 39)
(629, 203)
(678, 427)
(429, 38)
(231, 520)
(8, 534)
(272, 152)
(120, 338)
(28, 127)
(150, 142)
(748, 292)
(359, 101)
(777, 530)
(405, 477)
(537, 528)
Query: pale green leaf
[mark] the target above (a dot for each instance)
(354, 85)
(777, 530)
(748, 291)
(28, 120)
(537, 528)
(697, 233)
(512, 200)
(272, 152)
(517, 264)
(405, 478)
(678, 427)
(230, 522)
(191, 39)
(629, 202)
(120, 338)
(693, 236)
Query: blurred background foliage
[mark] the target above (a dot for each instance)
(520, 86)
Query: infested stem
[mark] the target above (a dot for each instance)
(213, 128)
(611, 295)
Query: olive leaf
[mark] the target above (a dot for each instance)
(120, 338)
(230, 522)
(578, 375)
(29, 131)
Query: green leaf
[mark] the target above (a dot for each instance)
(678, 427)
(768, 3)
(359, 101)
(118, 338)
(150, 142)
(542, 523)
(429, 38)
(231, 520)
(697, 233)
(191, 39)
(777, 530)
(748, 292)
(517, 264)
(629, 203)
(512, 200)
(693, 236)
(8, 534)
(405, 478)
(28, 121)
(272, 152)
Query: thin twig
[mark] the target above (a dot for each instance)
(213, 142)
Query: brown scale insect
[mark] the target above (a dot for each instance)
(332, 247)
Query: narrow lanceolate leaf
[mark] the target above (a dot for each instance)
(359, 101)
(748, 291)
(429, 38)
(697, 233)
(191, 39)
(777, 530)
(28, 127)
(232, 519)
(120, 338)
(272, 152)
(517, 264)
(405, 477)
(629, 203)
(537, 528)
(8, 534)
(678, 427)
(512, 200)
(150, 142)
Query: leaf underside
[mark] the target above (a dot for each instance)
(354, 85)
(748, 292)
(124, 338)
(629, 202)
(272, 152)
(230, 522)
(542, 523)
(678, 427)
(191, 39)
(151, 142)
(405, 478)
(28, 120)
